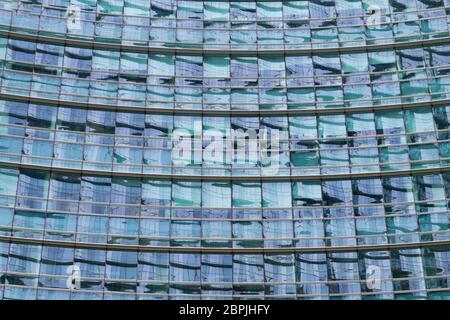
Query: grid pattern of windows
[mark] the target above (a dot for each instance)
(224, 214)
(39, 272)
(143, 142)
(225, 82)
(127, 149)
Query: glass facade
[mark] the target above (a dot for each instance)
(351, 98)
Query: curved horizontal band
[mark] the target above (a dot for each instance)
(192, 177)
(335, 249)
(121, 47)
(245, 296)
(284, 19)
(212, 112)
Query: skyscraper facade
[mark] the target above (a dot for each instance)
(186, 149)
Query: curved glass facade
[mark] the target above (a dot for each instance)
(192, 149)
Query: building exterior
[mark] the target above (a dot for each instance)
(193, 149)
